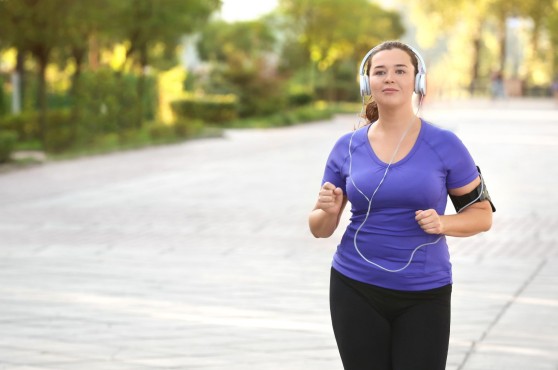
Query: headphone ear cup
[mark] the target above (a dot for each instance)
(364, 85)
(420, 84)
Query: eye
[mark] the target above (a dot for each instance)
(379, 73)
(400, 71)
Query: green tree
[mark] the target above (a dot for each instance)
(148, 25)
(543, 14)
(475, 19)
(551, 23)
(335, 30)
(36, 27)
(438, 18)
(250, 38)
(539, 11)
(241, 54)
(62, 29)
(84, 20)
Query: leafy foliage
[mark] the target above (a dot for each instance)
(334, 33)
(480, 32)
(8, 140)
(242, 64)
(63, 31)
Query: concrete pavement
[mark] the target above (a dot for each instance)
(197, 255)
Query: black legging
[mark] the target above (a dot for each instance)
(384, 329)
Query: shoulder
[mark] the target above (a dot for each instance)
(438, 135)
(453, 155)
(441, 140)
(351, 140)
(344, 147)
(447, 146)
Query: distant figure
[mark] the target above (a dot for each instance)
(554, 88)
(497, 86)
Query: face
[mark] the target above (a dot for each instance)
(392, 77)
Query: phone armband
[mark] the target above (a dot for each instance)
(478, 194)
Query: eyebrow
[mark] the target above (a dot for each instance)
(397, 65)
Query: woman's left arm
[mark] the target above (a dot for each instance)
(472, 220)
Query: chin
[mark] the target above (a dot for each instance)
(393, 102)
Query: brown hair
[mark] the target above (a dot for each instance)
(371, 112)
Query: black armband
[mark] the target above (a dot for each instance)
(478, 194)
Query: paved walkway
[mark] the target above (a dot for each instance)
(197, 256)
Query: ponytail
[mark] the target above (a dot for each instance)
(371, 113)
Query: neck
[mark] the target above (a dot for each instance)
(396, 119)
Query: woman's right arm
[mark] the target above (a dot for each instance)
(325, 216)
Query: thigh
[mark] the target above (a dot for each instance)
(421, 335)
(363, 336)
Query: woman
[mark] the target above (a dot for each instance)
(391, 281)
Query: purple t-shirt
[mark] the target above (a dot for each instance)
(438, 161)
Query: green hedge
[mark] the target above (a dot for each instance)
(105, 103)
(60, 131)
(300, 97)
(8, 140)
(290, 117)
(3, 99)
(209, 109)
(25, 125)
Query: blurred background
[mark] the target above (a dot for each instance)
(80, 77)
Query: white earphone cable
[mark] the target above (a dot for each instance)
(374, 193)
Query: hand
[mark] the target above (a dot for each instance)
(429, 221)
(330, 199)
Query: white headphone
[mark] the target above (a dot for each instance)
(420, 78)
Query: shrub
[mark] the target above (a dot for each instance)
(107, 142)
(108, 102)
(134, 138)
(60, 131)
(8, 140)
(187, 128)
(300, 97)
(208, 108)
(259, 89)
(161, 131)
(3, 100)
(25, 125)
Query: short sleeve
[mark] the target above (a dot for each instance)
(459, 163)
(333, 172)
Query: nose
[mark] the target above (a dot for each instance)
(389, 76)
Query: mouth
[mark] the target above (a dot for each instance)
(389, 90)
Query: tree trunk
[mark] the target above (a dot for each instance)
(476, 65)
(41, 99)
(75, 92)
(476, 57)
(141, 87)
(19, 86)
(42, 56)
(79, 56)
(502, 40)
(94, 52)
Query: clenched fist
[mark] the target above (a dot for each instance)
(429, 221)
(330, 198)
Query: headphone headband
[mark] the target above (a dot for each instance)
(420, 79)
